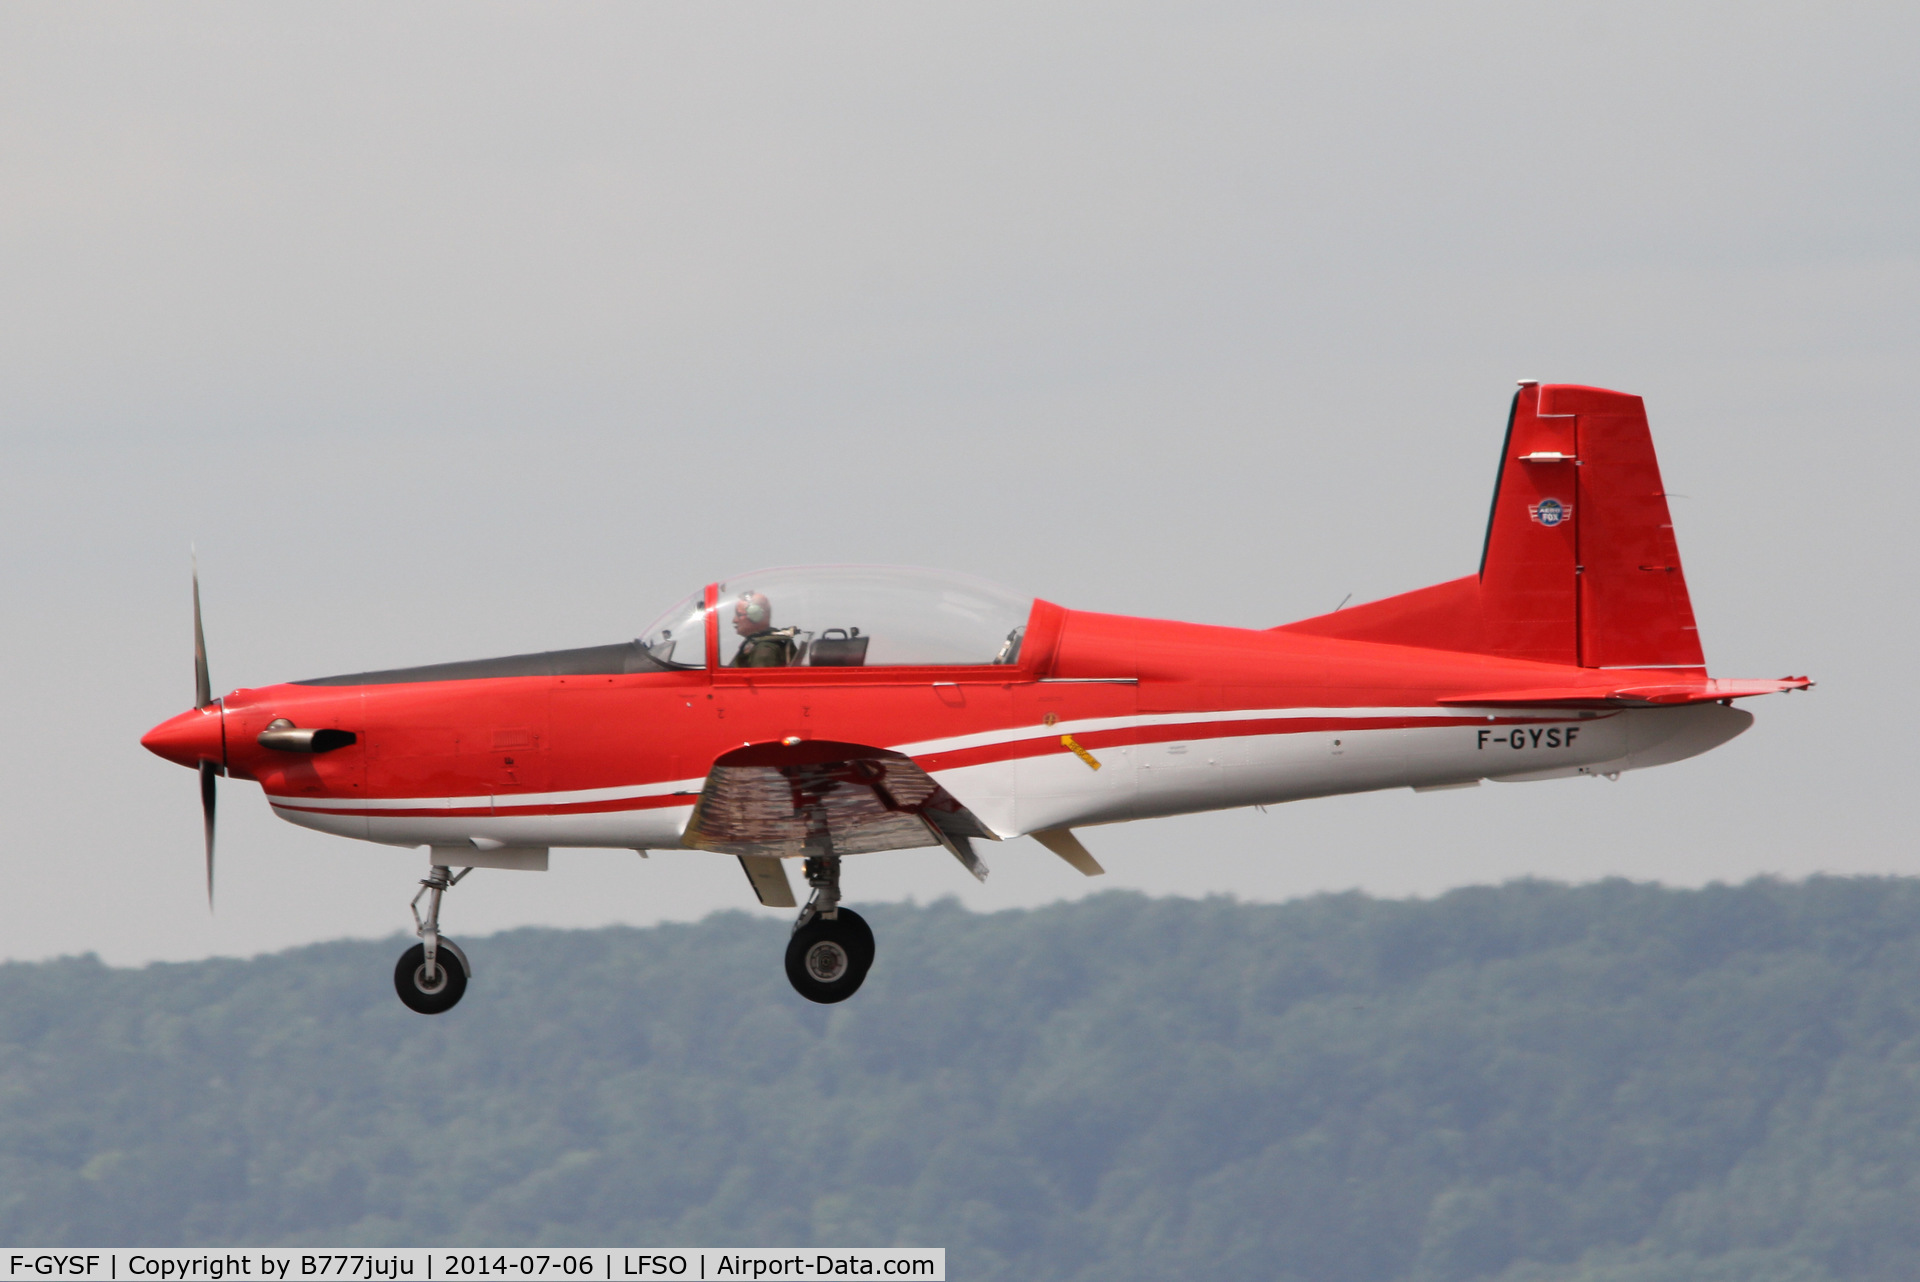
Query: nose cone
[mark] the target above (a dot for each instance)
(190, 738)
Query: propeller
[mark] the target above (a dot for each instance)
(202, 683)
(208, 773)
(203, 697)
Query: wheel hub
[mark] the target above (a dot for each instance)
(827, 961)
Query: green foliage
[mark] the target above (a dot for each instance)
(1535, 1083)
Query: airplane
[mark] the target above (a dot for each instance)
(816, 713)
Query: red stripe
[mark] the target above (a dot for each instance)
(1127, 735)
(465, 812)
(599, 807)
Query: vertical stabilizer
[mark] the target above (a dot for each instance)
(1579, 565)
(1529, 561)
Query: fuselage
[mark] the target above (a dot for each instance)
(1102, 718)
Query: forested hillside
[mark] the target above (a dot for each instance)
(1532, 1082)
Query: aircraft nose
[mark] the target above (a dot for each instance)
(190, 738)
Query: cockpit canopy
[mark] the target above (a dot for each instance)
(845, 616)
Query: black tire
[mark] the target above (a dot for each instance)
(860, 937)
(409, 979)
(827, 961)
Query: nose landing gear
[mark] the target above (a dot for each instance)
(832, 947)
(431, 976)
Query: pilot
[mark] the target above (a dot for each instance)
(761, 645)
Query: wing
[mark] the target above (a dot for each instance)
(810, 798)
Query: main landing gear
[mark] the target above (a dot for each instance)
(832, 947)
(432, 975)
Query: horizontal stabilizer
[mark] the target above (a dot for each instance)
(1703, 690)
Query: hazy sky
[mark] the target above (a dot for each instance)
(457, 330)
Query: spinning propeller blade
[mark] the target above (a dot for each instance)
(202, 683)
(208, 773)
(202, 697)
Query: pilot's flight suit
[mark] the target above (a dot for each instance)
(774, 648)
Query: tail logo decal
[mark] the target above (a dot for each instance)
(1550, 512)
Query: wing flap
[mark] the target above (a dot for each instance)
(1063, 843)
(819, 799)
(768, 877)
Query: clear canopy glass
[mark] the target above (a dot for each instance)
(848, 616)
(678, 638)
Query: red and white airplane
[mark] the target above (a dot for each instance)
(815, 713)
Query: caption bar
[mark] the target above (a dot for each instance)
(307, 1264)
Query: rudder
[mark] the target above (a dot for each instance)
(1635, 611)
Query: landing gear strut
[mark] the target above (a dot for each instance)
(832, 947)
(431, 976)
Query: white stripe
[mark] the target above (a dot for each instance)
(992, 738)
(983, 739)
(485, 801)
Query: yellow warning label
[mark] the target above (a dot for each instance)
(1066, 741)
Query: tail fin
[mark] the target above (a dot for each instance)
(1579, 567)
